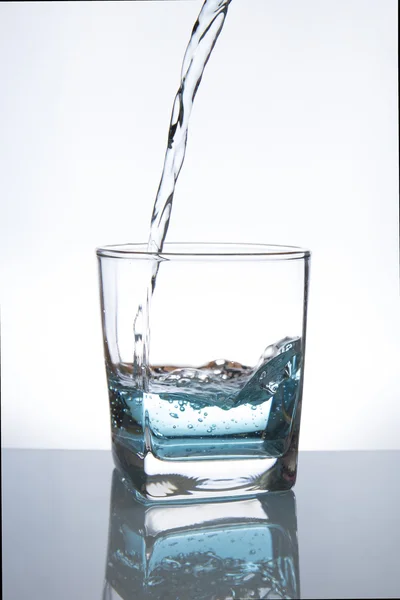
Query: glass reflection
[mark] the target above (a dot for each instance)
(205, 551)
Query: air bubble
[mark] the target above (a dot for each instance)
(174, 415)
(190, 426)
(270, 351)
(200, 420)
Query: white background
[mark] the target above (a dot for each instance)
(293, 140)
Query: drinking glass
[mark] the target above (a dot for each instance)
(204, 351)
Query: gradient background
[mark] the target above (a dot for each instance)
(293, 140)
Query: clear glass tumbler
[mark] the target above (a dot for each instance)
(205, 368)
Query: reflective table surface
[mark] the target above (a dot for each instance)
(72, 531)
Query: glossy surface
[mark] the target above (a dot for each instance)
(58, 536)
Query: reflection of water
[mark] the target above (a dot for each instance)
(204, 551)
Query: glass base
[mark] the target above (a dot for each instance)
(152, 479)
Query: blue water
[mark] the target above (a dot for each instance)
(222, 409)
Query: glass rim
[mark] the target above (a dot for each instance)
(206, 250)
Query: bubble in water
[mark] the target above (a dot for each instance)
(182, 409)
(200, 420)
(169, 563)
(206, 414)
(190, 426)
(174, 415)
(153, 581)
(273, 386)
(270, 351)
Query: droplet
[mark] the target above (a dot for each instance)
(200, 420)
(174, 415)
(190, 426)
